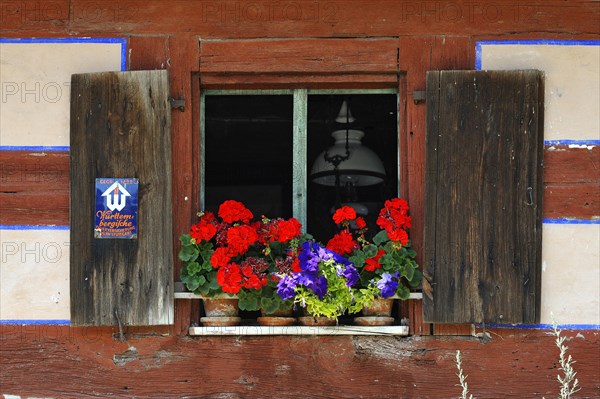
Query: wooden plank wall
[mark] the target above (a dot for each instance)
(82, 362)
(172, 35)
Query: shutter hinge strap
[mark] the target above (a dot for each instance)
(177, 103)
(419, 96)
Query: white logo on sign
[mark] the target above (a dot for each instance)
(114, 201)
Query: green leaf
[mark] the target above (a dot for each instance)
(207, 266)
(212, 281)
(271, 305)
(248, 301)
(370, 250)
(417, 278)
(193, 268)
(358, 259)
(380, 237)
(408, 272)
(190, 282)
(402, 292)
(185, 239)
(188, 252)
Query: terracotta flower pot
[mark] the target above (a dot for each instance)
(316, 321)
(277, 318)
(380, 307)
(278, 313)
(378, 314)
(214, 307)
(220, 312)
(309, 320)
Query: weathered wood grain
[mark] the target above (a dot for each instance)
(320, 62)
(571, 182)
(360, 56)
(148, 52)
(183, 54)
(483, 196)
(34, 188)
(289, 19)
(79, 362)
(120, 127)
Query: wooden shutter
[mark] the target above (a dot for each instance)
(120, 127)
(483, 196)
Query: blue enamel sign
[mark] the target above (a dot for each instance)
(116, 208)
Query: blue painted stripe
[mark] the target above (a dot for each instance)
(543, 326)
(36, 322)
(478, 56)
(124, 55)
(32, 227)
(543, 42)
(103, 40)
(46, 148)
(570, 221)
(65, 40)
(572, 142)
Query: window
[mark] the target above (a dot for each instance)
(258, 147)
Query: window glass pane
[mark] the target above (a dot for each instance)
(375, 115)
(248, 152)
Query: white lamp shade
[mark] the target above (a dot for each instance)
(362, 168)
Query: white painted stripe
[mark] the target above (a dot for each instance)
(571, 70)
(35, 81)
(34, 276)
(571, 274)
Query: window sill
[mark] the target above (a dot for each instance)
(256, 330)
(298, 330)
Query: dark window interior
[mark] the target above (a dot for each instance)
(376, 116)
(249, 153)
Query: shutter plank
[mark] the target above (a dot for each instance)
(120, 127)
(483, 196)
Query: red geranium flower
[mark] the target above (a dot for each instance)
(239, 238)
(220, 257)
(398, 235)
(342, 243)
(360, 222)
(399, 204)
(344, 214)
(288, 229)
(394, 215)
(373, 264)
(230, 278)
(254, 282)
(233, 211)
(203, 230)
(296, 266)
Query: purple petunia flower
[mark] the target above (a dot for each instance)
(319, 287)
(308, 260)
(286, 287)
(351, 274)
(387, 285)
(306, 278)
(310, 257)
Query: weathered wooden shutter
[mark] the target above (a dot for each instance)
(483, 196)
(120, 128)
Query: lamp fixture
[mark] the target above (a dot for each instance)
(347, 162)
